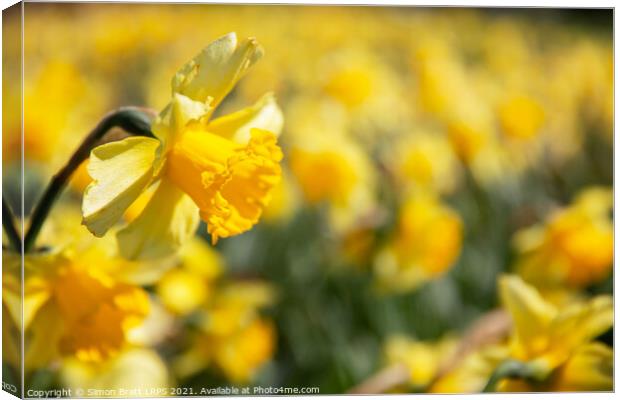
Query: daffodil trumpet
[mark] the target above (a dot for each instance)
(8, 224)
(133, 120)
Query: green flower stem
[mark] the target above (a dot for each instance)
(511, 369)
(8, 224)
(135, 121)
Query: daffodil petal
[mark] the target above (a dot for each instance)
(579, 323)
(178, 113)
(44, 335)
(138, 369)
(120, 171)
(530, 313)
(216, 70)
(589, 369)
(264, 114)
(170, 218)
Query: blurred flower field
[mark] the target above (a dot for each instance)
(359, 199)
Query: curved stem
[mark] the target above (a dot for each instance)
(509, 369)
(133, 120)
(8, 224)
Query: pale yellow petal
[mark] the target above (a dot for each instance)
(472, 373)
(589, 369)
(137, 272)
(531, 315)
(216, 70)
(140, 370)
(578, 324)
(264, 114)
(177, 114)
(182, 292)
(201, 259)
(120, 170)
(169, 219)
(43, 338)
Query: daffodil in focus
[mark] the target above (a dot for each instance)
(221, 170)
(424, 246)
(233, 336)
(573, 247)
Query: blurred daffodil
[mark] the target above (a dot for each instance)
(135, 372)
(184, 289)
(426, 243)
(589, 369)
(233, 336)
(422, 359)
(57, 101)
(556, 346)
(80, 299)
(334, 170)
(472, 373)
(573, 247)
(77, 309)
(545, 334)
(521, 117)
(426, 162)
(223, 169)
(284, 201)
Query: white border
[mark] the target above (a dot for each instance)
(479, 3)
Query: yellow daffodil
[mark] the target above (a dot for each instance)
(351, 85)
(222, 170)
(573, 247)
(422, 359)
(521, 117)
(74, 308)
(184, 289)
(334, 170)
(241, 355)
(80, 299)
(555, 344)
(369, 90)
(439, 74)
(59, 100)
(425, 161)
(11, 91)
(545, 335)
(233, 336)
(472, 373)
(470, 129)
(589, 369)
(135, 372)
(426, 243)
(284, 201)
(387, 111)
